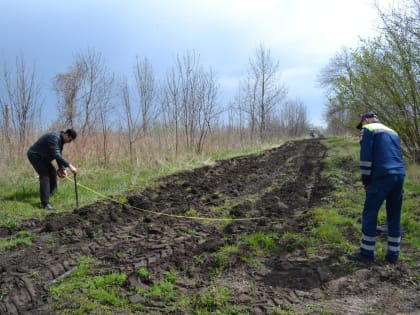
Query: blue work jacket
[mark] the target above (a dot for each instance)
(380, 152)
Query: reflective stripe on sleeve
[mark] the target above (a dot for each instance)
(366, 163)
(365, 172)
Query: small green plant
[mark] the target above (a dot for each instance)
(261, 242)
(291, 241)
(8, 222)
(224, 253)
(21, 238)
(213, 298)
(109, 296)
(171, 276)
(122, 255)
(143, 272)
(191, 212)
(216, 300)
(163, 290)
(121, 199)
(109, 280)
(199, 259)
(328, 233)
(87, 293)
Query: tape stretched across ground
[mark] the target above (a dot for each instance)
(161, 213)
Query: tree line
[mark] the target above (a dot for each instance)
(185, 103)
(381, 75)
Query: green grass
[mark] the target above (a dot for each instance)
(261, 243)
(89, 290)
(83, 292)
(292, 241)
(19, 198)
(224, 254)
(143, 273)
(215, 300)
(20, 238)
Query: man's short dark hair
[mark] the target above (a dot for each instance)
(71, 133)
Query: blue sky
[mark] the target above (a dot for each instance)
(303, 35)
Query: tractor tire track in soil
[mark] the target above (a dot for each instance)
(279, 185)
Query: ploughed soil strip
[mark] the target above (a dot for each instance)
(278, 185)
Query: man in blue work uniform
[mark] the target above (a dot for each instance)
(383, 172)
(41, 153)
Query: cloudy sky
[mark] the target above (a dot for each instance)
(303, 35)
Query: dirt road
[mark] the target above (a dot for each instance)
(276, 187)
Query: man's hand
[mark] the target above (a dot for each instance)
(61, 173)
(73, 169)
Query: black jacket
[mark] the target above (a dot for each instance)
(49, 147)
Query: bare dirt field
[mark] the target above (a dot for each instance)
(274, 189)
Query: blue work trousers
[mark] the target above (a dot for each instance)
(390, 189)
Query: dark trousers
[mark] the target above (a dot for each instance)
(388, 188)
(47, 177)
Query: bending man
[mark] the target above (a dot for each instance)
(47, 148)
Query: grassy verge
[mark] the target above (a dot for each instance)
(19, 199)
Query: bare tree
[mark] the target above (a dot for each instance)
(84, 90)
(67, 86)
(21, 101)
(247, 102)
(207, 112)
(87, 91)
(293, 118)
(5, 123)
(131, 118)
(96, 92)
(105, 110)
(340, 81)
(146, 91)
(190, 95)
(171, 104)
(262, 91)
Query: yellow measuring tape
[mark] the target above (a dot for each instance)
(165, 214)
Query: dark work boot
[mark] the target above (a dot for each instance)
(357, 256)
(391, 259)
(47, 207)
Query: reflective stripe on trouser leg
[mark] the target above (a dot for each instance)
(367, 246)
(393, 246)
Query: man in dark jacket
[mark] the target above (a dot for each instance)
(47, 148)
(383, 172)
